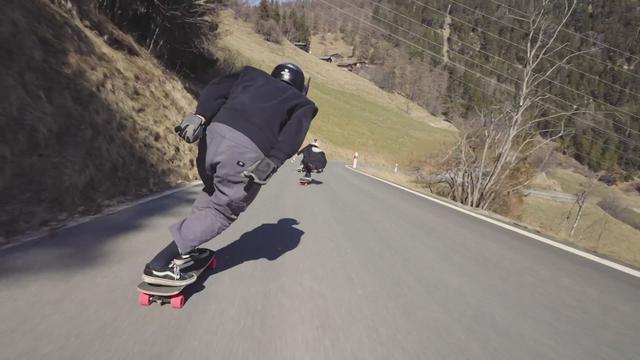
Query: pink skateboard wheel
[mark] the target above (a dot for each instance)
(177, 302)
(144, 299)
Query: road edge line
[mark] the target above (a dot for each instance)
(515, 229)
(84, 219)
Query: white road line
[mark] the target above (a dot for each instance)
(547, 241)
(109, 211)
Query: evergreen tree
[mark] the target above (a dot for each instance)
(264, 11)
(274, 11)
(595, 156)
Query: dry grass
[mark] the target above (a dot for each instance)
(543, 182)
(327, 44)
(597, 231)
(82, 124)
(573, 183)
(609, 225)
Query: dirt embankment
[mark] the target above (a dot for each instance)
(81, 123)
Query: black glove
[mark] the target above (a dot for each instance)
(190, 129)
(261, 171)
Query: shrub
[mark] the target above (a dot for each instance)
(270, 30)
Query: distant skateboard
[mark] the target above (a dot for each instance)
(160, 294)
(305, 181)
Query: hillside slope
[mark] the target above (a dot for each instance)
(84, 125)
(355, 115)
(81, 124)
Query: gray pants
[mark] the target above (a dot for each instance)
(223, 154)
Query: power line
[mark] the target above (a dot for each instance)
(442, 13)
(612, 147)
(525, 31)
(573, 33)
(562, 85)
(592, 125)
(497, 57)
(547, 79)
(501, 59)
(585, 55)
(575, 51)
(628, 156)
(439, 32)
(522, 47)
(595, 114)
(489, 16)
(412, 44)
(516, 80)
(435, 43)
(624, 154)
(628, 141)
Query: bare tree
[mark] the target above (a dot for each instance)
(490, 157)
(581, 199)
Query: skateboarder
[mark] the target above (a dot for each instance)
(313, 159)
(248, 124)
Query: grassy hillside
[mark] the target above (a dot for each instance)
(81, 124)
(355, 115)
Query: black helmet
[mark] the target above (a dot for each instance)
(291, 74)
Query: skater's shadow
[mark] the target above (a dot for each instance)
(267, 241)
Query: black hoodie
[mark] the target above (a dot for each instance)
(314, 156)
(273, 114)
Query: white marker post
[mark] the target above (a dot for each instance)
(355, 160)
(395, 170)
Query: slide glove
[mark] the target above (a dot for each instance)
(261, 171)
(190, 129)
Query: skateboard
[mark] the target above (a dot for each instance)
(304, 181)
(161, 294)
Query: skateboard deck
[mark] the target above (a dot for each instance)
(304, 181)
(150, 293)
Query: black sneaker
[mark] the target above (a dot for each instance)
(167, 276)
(191, 257)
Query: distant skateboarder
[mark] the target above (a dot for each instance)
(313, 159)
(248, 124)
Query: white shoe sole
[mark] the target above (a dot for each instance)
(166, 282)
(183, 263)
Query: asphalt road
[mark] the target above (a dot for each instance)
(350, 268)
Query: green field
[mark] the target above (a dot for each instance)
(352, 122)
